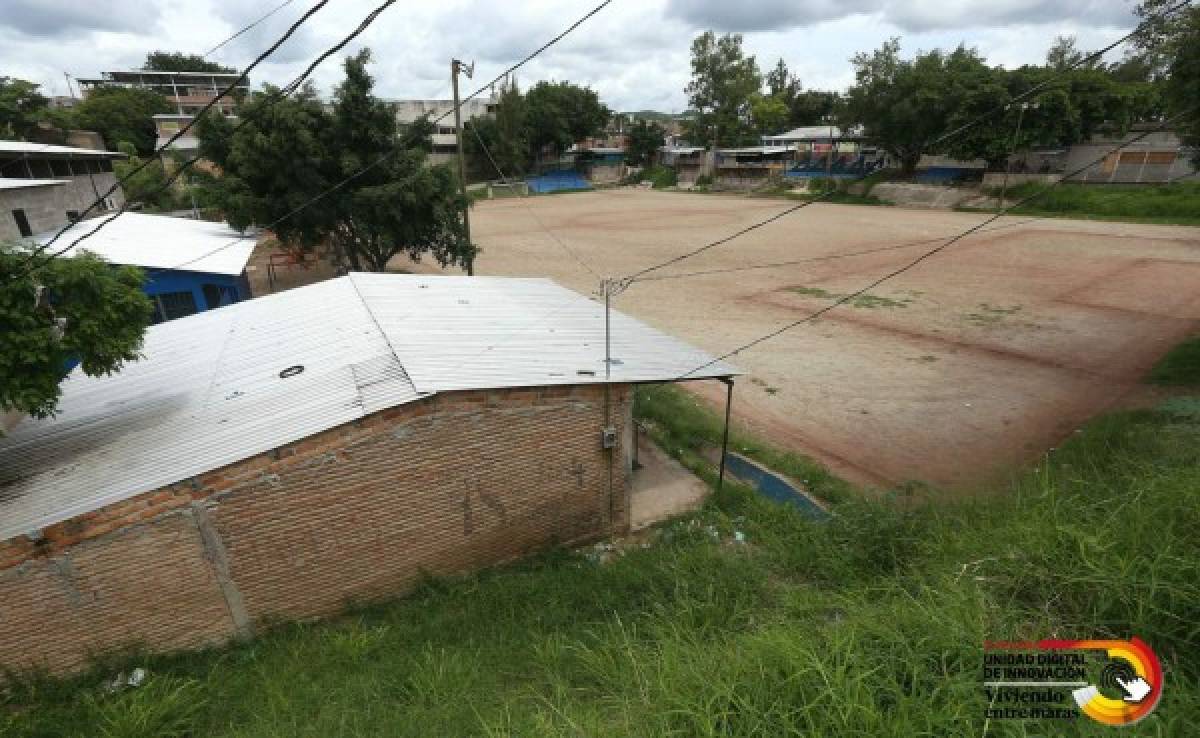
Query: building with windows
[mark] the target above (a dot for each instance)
(188, 92)
(191, 265)
(45, 186)
(444, 137)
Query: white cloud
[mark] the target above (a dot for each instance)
(635, 54)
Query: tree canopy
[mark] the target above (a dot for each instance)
(175, 61)
(73, 309)
(122, 114)
(644, 139)
(560, 113)
(724, 81)
(22, 105)
(505, 134)
(293, 151)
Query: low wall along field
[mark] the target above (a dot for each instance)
(361, 512)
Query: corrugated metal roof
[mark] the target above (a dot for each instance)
(208, 392)
(14, 183)
(30, 147)
(163, 242)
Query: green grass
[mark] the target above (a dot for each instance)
(869, 302)
(1176, 203)
(1180, 367)
(869, 625)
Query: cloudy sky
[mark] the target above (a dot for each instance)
(634, 52)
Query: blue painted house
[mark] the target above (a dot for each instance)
(191, 265)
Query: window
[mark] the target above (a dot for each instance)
(22, 223)
(172, 305)
(216, 295)
(72, 216)
(60, 167)
(106, 165)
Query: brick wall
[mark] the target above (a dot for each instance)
(452, 483)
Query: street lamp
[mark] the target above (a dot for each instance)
(1012, 149)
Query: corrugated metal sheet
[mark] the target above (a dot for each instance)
(30, 147)
(13, 183)
(209, 393)
(163, 242)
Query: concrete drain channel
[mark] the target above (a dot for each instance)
(773, 486)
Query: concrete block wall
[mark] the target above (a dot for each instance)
(449, 484)
(46, 206)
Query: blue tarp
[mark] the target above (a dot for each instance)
(557, 181)
(773, 486)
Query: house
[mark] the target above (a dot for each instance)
(600, 164)
(445, 137)
(44, 186)
(1158, 157)
(282, 457)
(828, 151)
(191, 265)
(188, 92)
(687, 161)
(751, 166)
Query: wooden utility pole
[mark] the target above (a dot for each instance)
(455, 67)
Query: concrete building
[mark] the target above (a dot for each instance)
(749, 167)
(285, 456)
(189, 92)
(445, 140)
(1157, 158)
(687, 161)
(44, 186)
(191, 265)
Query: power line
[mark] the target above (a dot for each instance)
(337, 186)
(277, 8)
(627, 280)
(896, 272)
(528, 209)
(276, 96)
(179, 134)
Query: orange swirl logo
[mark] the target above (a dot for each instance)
(1134, 671)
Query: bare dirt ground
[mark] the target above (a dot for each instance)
(959, 371)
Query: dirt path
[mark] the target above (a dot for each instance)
(954, 373)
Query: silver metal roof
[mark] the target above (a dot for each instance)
(30, 147)
(13, 183)
(162, 242)
(208, 392)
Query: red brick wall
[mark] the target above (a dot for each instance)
(452, 483)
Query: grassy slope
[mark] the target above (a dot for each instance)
(1177, 203)
(870, 625)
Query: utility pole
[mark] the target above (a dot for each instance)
(829, 154)
(1012, 149)
(455, 67)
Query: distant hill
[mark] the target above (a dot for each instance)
(656, 115)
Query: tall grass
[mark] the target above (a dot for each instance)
(869, 625)
(1174, 203)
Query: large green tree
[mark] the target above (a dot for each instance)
(21, 107)
(560, 113)
(73, 309)
(1178, 54)
(148, 185)
(645, 137)
(122, 114)
(724, 80)
(175, 61)
(283, 164)
(505, 134)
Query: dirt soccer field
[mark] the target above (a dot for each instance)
(977, 360)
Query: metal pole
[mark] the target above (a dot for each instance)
(725, 436)
(1011, 150)
(604, 285)
(829, 156)
(462, 167)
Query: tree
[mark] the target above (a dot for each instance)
(287, 159)
(174, 61)
(505, 134)
(781, 83)
(814, 107)
(21, 106)
(122, 114)
(723, 81)
(906, 104)
(645, 137)
(559, 113)
(1182, 87)
(72, 309)
(769, 113)
(149, 185)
